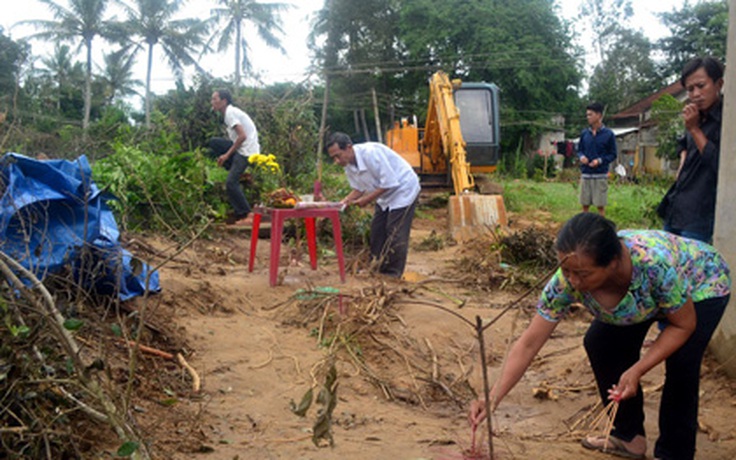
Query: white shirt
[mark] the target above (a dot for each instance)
(233, 117)
(377, 166)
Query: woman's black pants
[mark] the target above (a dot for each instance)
(613, 349)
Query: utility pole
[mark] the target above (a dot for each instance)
(724, 237)
(379, 135)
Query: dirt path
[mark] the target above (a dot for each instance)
(256, 352)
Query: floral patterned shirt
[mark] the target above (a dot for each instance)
(666, 271)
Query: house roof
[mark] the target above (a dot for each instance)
(617, 132)
(645, 104)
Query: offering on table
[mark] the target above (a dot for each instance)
(320, 205)
(281, 198)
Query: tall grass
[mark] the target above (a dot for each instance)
(630, 205)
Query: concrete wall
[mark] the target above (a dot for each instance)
(649, 135)
(652, 164)
(548, 139)
(627, 142)
(724, 340)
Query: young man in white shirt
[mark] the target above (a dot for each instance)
(378, 174)
(233, 154)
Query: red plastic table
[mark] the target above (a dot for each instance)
(278, 216)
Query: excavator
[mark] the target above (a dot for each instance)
(460, 138)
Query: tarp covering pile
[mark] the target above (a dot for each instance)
(53, 219)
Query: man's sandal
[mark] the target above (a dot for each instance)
(615, 446)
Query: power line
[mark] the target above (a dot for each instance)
(513, 55)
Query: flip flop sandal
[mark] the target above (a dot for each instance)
(615, 447)
(244, 222)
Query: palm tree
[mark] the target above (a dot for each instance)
(81, 19)
(59, 69)
(117, 75)
(234, 13)
(150, 22)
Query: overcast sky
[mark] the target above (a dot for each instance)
(272, 66)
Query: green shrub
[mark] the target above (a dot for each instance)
(169, 193)
(513, 165)
(633, 205)
(666, 111)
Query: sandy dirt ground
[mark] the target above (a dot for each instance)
(405, 368)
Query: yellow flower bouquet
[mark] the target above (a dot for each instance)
(268, 179)
(265, 172)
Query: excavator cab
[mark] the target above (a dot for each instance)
(477, 104)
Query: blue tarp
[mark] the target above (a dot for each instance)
(53, 219)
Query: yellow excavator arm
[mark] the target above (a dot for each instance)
(443, 140)
(440, 150)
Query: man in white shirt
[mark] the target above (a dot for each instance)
(378, 174)
(233, 154)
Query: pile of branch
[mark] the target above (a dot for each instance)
(64, 370)
(531, 246)
(365, 329)
(44, 335)
(512, 261)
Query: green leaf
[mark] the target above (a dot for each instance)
(117, 330)
(322, 429)
(127, 449)
(304, 404)
(21, 331)
(73, 324)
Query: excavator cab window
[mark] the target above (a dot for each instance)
(475, 115)
(478, 107)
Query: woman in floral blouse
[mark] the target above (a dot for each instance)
(628, 280)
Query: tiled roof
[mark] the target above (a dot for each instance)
(645, 104)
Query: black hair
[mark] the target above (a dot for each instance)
(596, 107)
(713, 67)
(591, 234)
(225, 94)
(341, 139)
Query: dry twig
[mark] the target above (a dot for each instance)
(191, 371)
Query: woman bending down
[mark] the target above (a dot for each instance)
(629, 280)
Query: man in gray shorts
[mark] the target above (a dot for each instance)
(596, 151)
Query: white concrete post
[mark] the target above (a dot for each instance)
(724, 237)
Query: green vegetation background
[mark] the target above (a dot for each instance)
(630, 205)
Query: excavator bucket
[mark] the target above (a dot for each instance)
(473, 216)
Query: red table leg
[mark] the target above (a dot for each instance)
(277, 226)
(254, 239)
(337, 235)
(311, 241)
